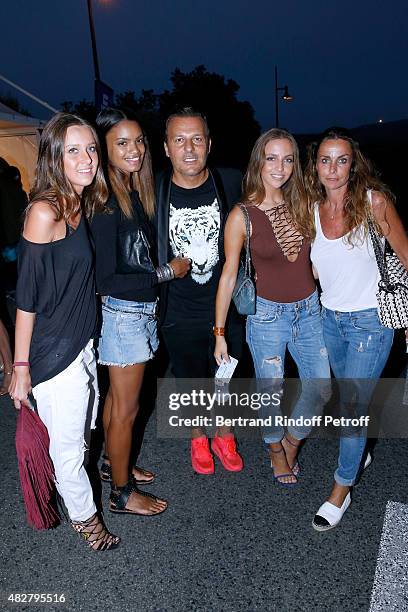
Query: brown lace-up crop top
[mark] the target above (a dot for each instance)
(273, 246)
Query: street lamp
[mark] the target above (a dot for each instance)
(103, 93)
(93, 39)
(286, 96)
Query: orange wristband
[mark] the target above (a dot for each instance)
(219, 331)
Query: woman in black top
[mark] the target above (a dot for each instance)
(56, 311)
(127, 279)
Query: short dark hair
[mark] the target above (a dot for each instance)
(187, 111)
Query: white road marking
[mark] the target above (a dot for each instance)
(390, 588)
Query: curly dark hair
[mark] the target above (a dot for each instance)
(363, 177)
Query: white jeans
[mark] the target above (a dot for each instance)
(67, 404)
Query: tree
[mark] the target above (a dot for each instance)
(233, 126)
(12, 102)
(83, 108)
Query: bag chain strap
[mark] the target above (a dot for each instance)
(247, 267)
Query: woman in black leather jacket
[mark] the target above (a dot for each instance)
(127, 280)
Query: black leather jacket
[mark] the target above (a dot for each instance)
(125, 253)
(133, 251)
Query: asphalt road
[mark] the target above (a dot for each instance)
(228, 542)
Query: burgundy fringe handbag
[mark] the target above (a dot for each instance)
(36, 469)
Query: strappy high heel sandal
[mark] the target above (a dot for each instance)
(296, 466)
(94, 532)
(277, 478)
(120, 495)
(105, 473)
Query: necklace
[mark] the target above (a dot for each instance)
(332, 215)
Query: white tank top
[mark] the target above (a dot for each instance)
(348, 274)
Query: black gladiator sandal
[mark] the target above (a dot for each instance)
(95, 533)
(119, 498)
(105, 473)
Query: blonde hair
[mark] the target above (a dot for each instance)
(293, 190)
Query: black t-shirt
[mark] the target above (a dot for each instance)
(107, 229)
(194, 231)
(56, 281)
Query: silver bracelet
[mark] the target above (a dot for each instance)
(171, 271)
(164, 273)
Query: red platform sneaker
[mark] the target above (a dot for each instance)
(225, 449)
(201, 457)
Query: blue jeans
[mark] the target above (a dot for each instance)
(358, 347)
(296, 326)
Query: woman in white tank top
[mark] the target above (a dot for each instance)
(341, 183)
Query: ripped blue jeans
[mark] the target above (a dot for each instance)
(296, 326)
(358, 347)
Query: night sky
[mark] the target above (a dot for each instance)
(344, 62)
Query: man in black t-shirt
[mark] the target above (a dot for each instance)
(194, 229)
(192, 205)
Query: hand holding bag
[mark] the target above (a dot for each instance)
(244, 294)
(392, 295)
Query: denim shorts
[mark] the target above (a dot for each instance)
(129, 332)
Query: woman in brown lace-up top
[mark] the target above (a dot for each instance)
(287, 307)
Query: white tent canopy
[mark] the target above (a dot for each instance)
(19, 137)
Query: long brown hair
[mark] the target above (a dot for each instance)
(293, 190)
(363, 177)
(51, 183)
(142, 180)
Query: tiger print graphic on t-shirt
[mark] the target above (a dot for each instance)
(194, 233)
